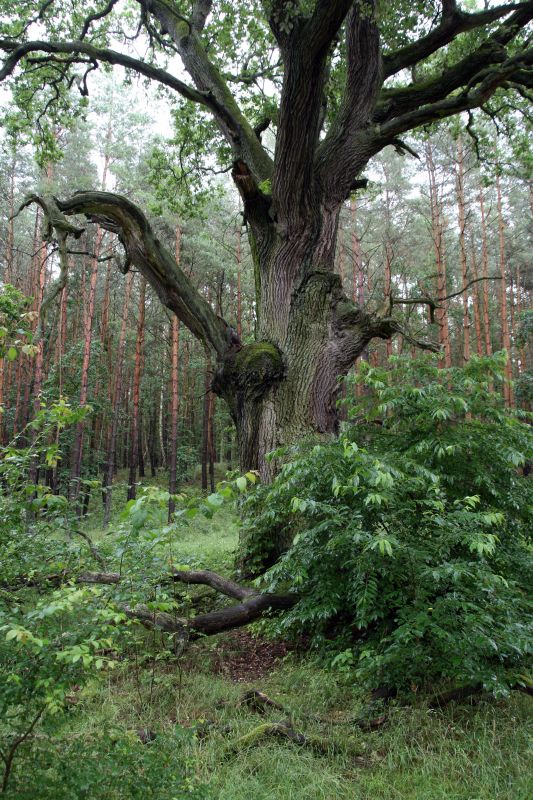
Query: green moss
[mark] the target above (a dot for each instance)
(259, 360)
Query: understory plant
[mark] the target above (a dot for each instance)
(411, 534)
(59, 638)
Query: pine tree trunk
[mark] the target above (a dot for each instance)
(39, 356)
(142, 446)
(77, 454)
(137, 376)
(485, 275)
(174, 394)
(152, 437)
(462, 247)
(476, 304)
(504, 321)
(8, 278)
(437, 229)
(174, 412)
(388, 255)
(522, 351)
(206, 435)
(211, 440)
(161, 420)
(109, 466)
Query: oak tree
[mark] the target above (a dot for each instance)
(295, 97)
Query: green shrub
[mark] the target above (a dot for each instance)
(411, 533)
(108, 765)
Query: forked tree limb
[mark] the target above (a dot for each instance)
(431, 302)
(223, 619)
(254, 605)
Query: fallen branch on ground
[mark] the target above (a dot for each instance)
(254, 606)
(461, 693)
(259, 701)
(284, 730)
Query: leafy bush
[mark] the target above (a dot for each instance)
(411, 533)
(108, 765)
(55, 641)
(45, 652)
(37, 527)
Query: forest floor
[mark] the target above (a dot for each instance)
(472, 751)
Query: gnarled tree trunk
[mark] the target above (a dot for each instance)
(284, 387)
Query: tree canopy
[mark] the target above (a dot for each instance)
(295, 98)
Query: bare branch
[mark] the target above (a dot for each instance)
(209, 82)
(96, 16)
(217, 582)
(431, 302)
(55, 222)
(18, 51)
(254, 605)
(485, 87)
(214, 622)
(467, 72)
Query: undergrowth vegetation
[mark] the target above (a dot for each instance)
(411, 559)
(412, 532)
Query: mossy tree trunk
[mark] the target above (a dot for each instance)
(284, 387)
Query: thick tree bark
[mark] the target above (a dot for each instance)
(282, 388)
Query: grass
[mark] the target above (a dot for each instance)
(210, 542)
(464, 752)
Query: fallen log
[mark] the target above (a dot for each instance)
(259, 701)
(253, 606)
(222, 619)
(284, 730)
(99, 577)
(215, 581)
(458, 694)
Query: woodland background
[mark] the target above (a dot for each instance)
(441, 225)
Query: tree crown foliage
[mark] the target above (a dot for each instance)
(416, 63)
